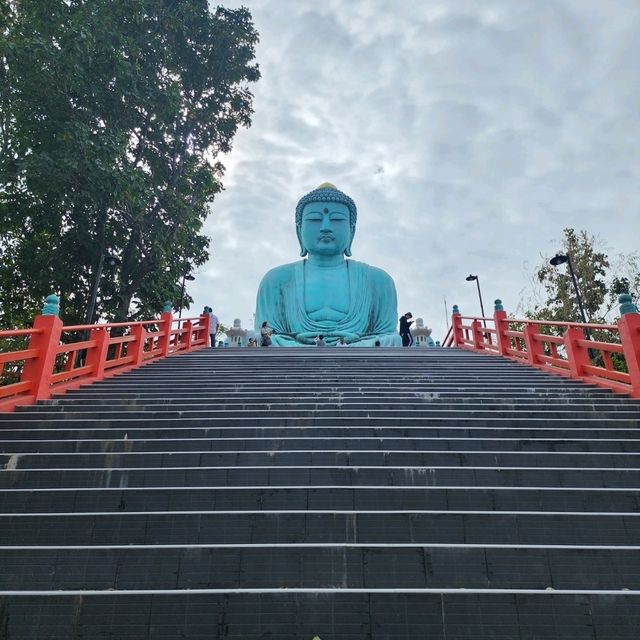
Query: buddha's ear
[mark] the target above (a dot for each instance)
(303, 250)
(347, 251)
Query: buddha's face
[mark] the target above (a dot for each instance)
(325, 228)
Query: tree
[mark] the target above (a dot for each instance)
(601, 280)
(113, 114)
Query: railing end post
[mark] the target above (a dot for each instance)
(629, 327)
(626, 304)
(51, 306)
(456, 324)
(46, 339)
(500, 322)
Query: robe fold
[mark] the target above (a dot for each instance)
(371, 315)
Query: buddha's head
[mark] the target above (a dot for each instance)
(326, 221)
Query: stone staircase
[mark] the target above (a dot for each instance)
(340, 493)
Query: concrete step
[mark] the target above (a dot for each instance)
(318, 458)
(211, 402)
(287, 526)
(360, 424)
(292, 476)
(325, 411)
(314, 498)
(337, 443)
(97, 391)
(335, 613)
(135, 430)
(289, 565)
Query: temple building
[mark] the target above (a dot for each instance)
(237, 336)
(422, 334)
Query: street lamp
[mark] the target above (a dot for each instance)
(556, 261)
(184, 278)
(471, 278)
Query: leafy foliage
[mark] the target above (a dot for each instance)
(112, 116)
(600, 278)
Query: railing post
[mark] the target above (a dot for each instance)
(456, 324)
(38, 371)
(476, 332)
(139, 332)
(500, 321)
(205, 323)
(629, 327)
(578, 357)
(534, 348)
(187, 335)
(166, 323)
(97, 356)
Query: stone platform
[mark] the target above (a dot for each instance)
(340, 493)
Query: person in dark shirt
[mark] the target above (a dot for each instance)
(405, 329)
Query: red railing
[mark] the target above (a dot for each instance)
(51, 358)
(611, 360)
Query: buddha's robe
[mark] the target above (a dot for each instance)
(371, 314)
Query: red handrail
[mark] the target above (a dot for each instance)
(51, 362)
(570, 355)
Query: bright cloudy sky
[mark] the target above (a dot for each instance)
(469, 134)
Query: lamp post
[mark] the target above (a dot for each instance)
(111, 261)
(184, 278)
(471, 278)
(556, 261)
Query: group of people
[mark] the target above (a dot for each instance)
(405, 333)
(266, 332)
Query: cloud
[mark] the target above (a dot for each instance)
(469, 134)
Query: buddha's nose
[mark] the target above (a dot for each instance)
(326, 224)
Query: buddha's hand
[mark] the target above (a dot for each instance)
(329, 336)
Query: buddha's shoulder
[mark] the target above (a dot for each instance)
(279, 275)
(375, 273)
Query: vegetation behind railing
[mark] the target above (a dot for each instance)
(600, 354)
(50, 357)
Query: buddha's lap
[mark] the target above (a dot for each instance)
(353, 340)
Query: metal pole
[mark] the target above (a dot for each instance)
(184, 277)
(484, 322)
(578, 296)
(88, 319)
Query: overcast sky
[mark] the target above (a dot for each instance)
(469, 134)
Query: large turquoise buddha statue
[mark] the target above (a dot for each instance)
(324, 294)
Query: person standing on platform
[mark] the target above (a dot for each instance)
(405, 329)
(320, 342)
(341, 343)
(265, 335)
(213, 326)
